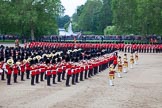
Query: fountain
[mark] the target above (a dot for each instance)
(70, 31)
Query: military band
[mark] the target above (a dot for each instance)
(61, 61)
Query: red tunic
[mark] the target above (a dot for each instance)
(53, 68)
(1, 65)
(32, 70)
(59, 69)
(64, 67)
(9, 69)
(86, 67)
(27, 66)
(112, 73)
(37, 70)
(48, 71)
(115, 60)
(82, 69)
(73, 71)
(42, 68)
(90, 67)
(15, 69)
(22, 68)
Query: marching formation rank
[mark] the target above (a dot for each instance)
(73, 62)
(53, 63)
(122, 66)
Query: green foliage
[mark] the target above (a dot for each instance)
(137, 16)
(110, 30)
(62, 20)
(105, 15)
(89, 17)
(141, 17)
(66, 26)
(29, 17)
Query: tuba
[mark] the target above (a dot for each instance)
(10, 62)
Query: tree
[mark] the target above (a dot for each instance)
(62, 20)
(89, 17)
(124, 18)
(110, 30)
(105, 15)
(137, 16)
(93, 17)
(30, 17)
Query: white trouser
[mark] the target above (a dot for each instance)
(125, 69)
(119, 75)
(111, 83)
(131, 66)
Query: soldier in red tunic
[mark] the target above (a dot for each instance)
(54, 71)
(27, 65)
(73, 70)
(15, 71)
(90, 74)
(48, 72)
(86, 71)
(59, 72)
(22, 69)
(77, 71)
(64, 69)
(42, 70)
(1, 68)
(9, 70)
(32, 71)
(38, 71)
(81, 72)
(37, 67)
(69, 73)
(115, 61)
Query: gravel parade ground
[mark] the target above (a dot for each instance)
(141, 87)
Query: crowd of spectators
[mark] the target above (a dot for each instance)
(93, 37)
(87, 38)
(8, 37)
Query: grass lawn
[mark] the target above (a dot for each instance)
(7, 41)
